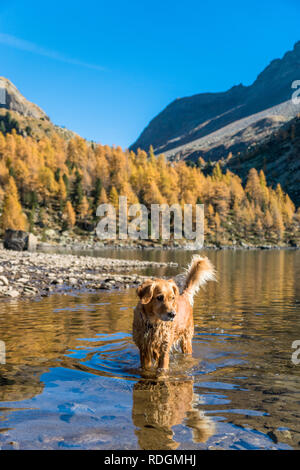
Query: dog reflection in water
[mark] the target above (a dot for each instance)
(158, 405)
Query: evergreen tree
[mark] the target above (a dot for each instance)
(2, 127)
(77, 193)
(97, 191)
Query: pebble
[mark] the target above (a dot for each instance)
(26, 274)
(12, 293)
(3, 281)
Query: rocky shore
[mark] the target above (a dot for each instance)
(33, 274)
(69, 241)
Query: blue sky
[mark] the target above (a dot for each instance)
(105, 69)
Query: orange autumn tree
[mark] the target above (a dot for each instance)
(84, 209)
(102, 198)
(55, 176)
(69, 215)
(12, 214)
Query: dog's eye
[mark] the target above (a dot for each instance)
(160, 298)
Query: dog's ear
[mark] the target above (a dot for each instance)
(145, 291)
(174, 287)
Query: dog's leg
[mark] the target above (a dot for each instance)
(146, 362)
(163, 362)
(186, 345)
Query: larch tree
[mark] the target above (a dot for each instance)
(62, 191)
(103, 199)
(114, 198)
(217, 174)
(84, 209)
(253, 187)
(268, 222)
(52, 169)
(264, 190)
(12, 214)
(69, 215)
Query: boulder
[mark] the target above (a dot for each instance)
(19, 240)
(50, 234)
(31, 242)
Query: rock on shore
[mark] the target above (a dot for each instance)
(26, 274)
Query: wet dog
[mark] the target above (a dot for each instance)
(163, 318)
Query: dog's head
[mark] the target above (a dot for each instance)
(159, 298)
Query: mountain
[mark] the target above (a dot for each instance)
(277, 156)
(53, 185)
(26, 117)
(210, 125)
(11, 99)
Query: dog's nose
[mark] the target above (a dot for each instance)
(171, 314)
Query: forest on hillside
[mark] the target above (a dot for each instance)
(57, 183)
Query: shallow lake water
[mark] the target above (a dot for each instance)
(72, 380)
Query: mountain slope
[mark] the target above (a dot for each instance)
(59, 182)
(190, 124)
(277, 156)
(26, 117)
(11, 99)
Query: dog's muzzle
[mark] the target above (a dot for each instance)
(171, 315)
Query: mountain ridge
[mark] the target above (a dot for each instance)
(27, 117)
(13, 100)
(186, 119)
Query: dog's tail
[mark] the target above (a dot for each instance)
(199, 271)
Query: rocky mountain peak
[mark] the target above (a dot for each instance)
(195, 123)
(11, 99)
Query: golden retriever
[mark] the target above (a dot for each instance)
(163, 318)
